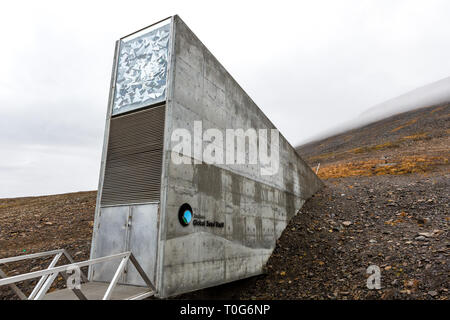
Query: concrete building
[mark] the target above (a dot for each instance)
(193, 224)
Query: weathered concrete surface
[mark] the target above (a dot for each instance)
(253, 208)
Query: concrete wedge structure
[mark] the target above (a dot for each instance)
(195, 180)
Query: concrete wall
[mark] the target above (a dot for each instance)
(254, 209)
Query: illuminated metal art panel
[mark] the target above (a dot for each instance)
(142, 69)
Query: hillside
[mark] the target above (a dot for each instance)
(385, 202)
(411, 142)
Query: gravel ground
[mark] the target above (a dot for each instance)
(397, 222)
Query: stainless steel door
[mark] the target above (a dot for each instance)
(127, 228)
(111, 238)
(143, 241)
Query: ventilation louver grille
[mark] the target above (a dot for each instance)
(134, 158)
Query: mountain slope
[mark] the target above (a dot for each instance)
(414, 141)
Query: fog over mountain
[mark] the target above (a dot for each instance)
(427, 95)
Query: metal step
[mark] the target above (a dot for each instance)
(86, 290)
(96, 291)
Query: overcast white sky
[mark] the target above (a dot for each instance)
(309, 65)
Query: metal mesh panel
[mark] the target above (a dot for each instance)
(134, 158)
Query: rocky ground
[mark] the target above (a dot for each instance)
(37, 224)
(399, 223)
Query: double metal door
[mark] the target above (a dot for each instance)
(127, 228)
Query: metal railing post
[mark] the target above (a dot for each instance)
(77, 292)
(43, 278)
(69, 257)
(141, 272)
(46, 286)
(116, 277)
(15, 288)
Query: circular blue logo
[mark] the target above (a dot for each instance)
(185, 214)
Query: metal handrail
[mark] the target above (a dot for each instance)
(40, 255)
(39, 273)
(31, 256)
(51, 272)
(43, 281)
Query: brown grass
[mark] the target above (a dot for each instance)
(437, 109)
(386, 145)
(324, 156)
(404, 165)
(416, 137)
(404, 126)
